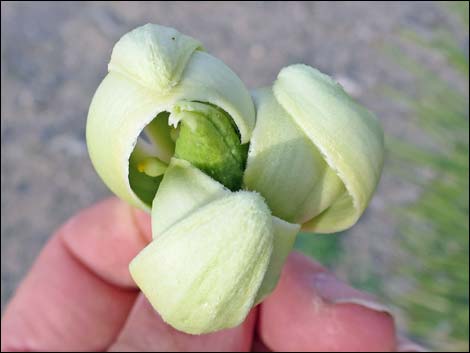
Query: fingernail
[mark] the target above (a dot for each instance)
(405, 345)
(332, 290)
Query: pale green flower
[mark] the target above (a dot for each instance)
(227, 197)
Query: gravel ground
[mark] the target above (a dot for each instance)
(53, 56)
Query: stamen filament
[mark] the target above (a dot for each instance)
(152, 166)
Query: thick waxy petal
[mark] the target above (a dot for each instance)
(182, 191)
(207, 79)
(204, 272)
(131, 97)
(283, 242)
(286, 167)
(348, 136)
(185, 189)
(120, 110)
(316, 155)
(153, 56)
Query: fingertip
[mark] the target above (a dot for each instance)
(299, 264)
(303, 315)
(404, 344)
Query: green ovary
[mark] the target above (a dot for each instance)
(208, 139)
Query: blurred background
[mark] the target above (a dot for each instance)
(407, 62)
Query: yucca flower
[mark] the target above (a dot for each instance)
(229, 178)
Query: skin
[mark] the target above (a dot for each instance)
(79, 296)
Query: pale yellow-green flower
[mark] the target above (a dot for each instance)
(227, 192)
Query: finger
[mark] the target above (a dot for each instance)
(61, 305)
(258, 345)
(145, 331)
(69, 300)
(106, 237)
(310, 310)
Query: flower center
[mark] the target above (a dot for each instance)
(197, 132)
(208, 139)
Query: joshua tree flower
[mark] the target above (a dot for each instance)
(227, 197)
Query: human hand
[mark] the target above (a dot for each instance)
(79, 296)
